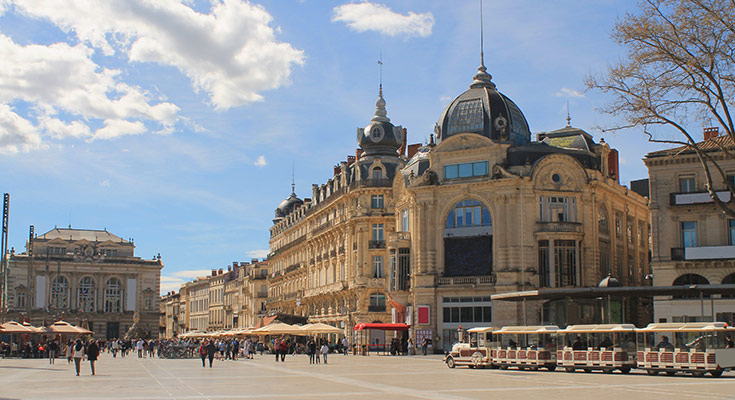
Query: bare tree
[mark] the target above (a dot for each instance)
(679, 72)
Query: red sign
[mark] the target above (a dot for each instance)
(424, 317)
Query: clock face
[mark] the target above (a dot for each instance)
(376, 133)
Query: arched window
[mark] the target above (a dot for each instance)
(468, 213)
(377, 173)
(468, 240)
(113, 296)
(60, 292)
(86, 294)
(690, 279)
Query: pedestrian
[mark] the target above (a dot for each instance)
(93, 350)
(78, 354)
(277, 348)
(53, 347)
(69, 352)
(211, 350)
(424, 345)
(203, 354)
(310, 350)
(345, 344)
(115, 347)
(284, 350)
(325, 351)
(317, 354)
(236, 349)
(139, 347)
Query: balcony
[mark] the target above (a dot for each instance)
(702, 253)
(465, 280)
(679, 199)
(559, 226)
(376, 244)
(292, 267)
(371, 183)
(260, 276)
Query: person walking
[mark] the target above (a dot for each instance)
(345, 344)
(284, 350)
(69, 352)
(211, 350)
(424, 345)
(53, 348)
(325, 351)
(139, 347)
(277, 348)
(310, 350)
(317, 354)
(203, 354)
(78, 355)
(93, 351)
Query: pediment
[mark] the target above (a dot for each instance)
(464, 141)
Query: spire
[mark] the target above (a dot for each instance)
(482, 78)
(569, 119)
(381, 115)
(293, 178)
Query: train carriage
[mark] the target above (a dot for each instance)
(473, 350)
(605, 347)
(694, 347)
(526, 347)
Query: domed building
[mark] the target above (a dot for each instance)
(423, 237)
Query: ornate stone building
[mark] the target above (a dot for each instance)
(428, 238)
(86, 277)
(693, 240)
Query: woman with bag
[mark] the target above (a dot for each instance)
(78, 354)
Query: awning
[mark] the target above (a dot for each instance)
(382, 327)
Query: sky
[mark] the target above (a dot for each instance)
(180, 123)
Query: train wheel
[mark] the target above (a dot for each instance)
(716, 374)
(471, 366)
(698, 374)
(670, 373)
(569, 369)
(625, 370)
(450, 362)
(607, 370)
(651, 372)
(503, 367)
(587, 370)
(552, 368)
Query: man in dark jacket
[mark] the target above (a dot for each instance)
(93, 350)
(211, 349)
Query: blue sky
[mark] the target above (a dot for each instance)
(177, 123)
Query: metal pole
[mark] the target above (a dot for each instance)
(712, 306)
(701, 303)
(3, 260)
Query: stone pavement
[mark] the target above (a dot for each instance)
(345, 377)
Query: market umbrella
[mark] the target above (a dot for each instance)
(319, 327)
(65, 327)
(14, 327)
(278, 329)
(35, 329)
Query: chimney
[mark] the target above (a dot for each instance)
(219, 272)
(254, 261)
(350, 160)
(229, 268)
(214, 272)
(612, 165)
(358, 153)
(413, 149)
(337, 170)
(710, 133)
(404, 136)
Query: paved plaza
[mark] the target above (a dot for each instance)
(345, 377)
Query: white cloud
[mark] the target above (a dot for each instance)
(368, 16)
(16, 133)
(175, 279)
(258, 253)
(105, 183)
(569, 93)
(260, 162)
(61, 79)
(231, 53)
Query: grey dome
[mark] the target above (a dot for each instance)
(380, 136)
(609, 281)
(288, 205)
(484, 110)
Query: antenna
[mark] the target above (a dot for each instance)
(293, 177)
(482, 38)
(569, 119)
(380, 63)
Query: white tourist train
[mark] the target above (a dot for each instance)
(694, 348)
